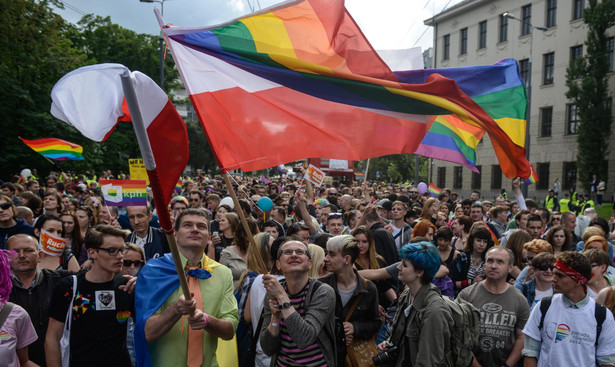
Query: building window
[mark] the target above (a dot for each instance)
(463, 42)
(441, 176)
(610, 44)
(526, 19)
(482, 34)
(447, 46)
(551, 20)
(458, 177)
(575, 53)
(476, 179)
(572, 119)
(570, 175)
(496, 177)
(503, 37)
(524, 70)
(548, 68)
(546, 121)
(542, 170)
(577, 9)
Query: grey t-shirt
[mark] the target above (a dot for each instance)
(392, 270)
(500, 315)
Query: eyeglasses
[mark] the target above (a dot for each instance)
(290, 252)
(527, 259)
(137, 263)
(5, 206)
(333, 194)
(113, 251)
(545, 267)
(414, 192)
(595, 265)
(557, 219)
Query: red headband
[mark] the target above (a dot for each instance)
(578, 277)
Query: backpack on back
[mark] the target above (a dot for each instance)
(465, 331)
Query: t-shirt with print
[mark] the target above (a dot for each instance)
(568, 335)
(17, 332)
(500, 315)
(100, 314)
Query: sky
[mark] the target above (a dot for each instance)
(388, 24)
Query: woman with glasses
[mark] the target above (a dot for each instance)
(560, 239)
(73, 234)
(542, 284)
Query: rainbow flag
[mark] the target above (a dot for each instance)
(58, 149)
(533, 176)
(178, 186)
(295, 77)
(124, 192)
(434, 191)
(499, 90)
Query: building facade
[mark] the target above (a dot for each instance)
(543, 36)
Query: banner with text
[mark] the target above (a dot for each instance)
(124, 192)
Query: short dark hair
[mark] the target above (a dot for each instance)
(191, 211)
(534, 218)
(95, 237)
(576, 261)
(444, 232)
(197, 192)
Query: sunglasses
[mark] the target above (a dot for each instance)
(545, 267)
(5, 206)
(129, 263)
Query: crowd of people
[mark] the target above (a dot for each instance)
(327, 276)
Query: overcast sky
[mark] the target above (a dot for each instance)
(388, 24)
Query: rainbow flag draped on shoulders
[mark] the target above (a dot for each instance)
(57, 149)
(301, 80)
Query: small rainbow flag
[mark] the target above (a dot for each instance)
(533, 176)
(434, 191)
(58, 149)
(124, 192)
(178, 186)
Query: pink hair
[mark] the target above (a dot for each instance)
(5, 274)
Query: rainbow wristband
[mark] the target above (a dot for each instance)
(206, 319)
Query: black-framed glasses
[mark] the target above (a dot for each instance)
(595, 265)
(113, 251)
(298, 252)
(545, 267)
(557, 218)
(136, 263)
(5, 206)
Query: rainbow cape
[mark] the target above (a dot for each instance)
(301, 80)
(58, 149)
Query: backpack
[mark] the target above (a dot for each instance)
(599, 314)
(465, 331)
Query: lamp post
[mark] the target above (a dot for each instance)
(161, 2)
(529, 90)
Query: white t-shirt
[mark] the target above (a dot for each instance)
(568, 335)
(540, 295)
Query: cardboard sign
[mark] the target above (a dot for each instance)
(315, 175)
(137, 170)
(52, 245)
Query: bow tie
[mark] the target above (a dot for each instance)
(199, 273)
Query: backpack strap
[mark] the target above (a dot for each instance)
(545, 303)
(6, 310)
(600, 314)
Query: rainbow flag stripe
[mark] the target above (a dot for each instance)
(58, 149)
(533, 176)
(124, 192)
(434, 191)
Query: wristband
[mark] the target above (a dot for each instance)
(206, 319)
(275, 323)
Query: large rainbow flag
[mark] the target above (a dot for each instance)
(301, 80)
(58, 149)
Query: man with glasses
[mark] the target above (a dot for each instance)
(9, 223)
(332, 195)
(298, 322)
(197, 199)
(100, 307)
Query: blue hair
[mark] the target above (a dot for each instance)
(423, 256)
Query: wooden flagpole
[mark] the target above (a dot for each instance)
(238, 209)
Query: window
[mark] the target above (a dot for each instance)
(524, 70)
(446, 41)
(609, 51)
(458, 177)
(526, 19)
(548, 67)
(503, 37)
(542, 170)
(546, 121)
(441, 176)
(482, 34)
(496, 177)
(572, 119)
(575, 53)
(476, 179)
(570, 175)
(463, 44)
(551, 20)
(577, 9)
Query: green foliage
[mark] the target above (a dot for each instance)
(587, 83)
(201, 156)
(396, 168)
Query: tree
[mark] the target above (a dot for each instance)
(587, 82)
(395, 168)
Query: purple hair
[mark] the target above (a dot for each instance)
(5, 274)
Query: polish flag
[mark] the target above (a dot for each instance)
(91, 99)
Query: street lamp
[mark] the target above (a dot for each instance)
(529, 89)
(161, 2)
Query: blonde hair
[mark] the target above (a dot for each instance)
(537, 246)
(258, 258)
(592, 231)
(373, 255)
(318, 256)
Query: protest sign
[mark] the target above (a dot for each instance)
(124, 192)
(314, 175)
(137, 170)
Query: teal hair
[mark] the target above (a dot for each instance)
(423, 256)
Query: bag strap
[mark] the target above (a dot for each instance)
(545, 303)
(69, 313)
(356, 302)
(600, 314)
(256, 333)
(6, 310)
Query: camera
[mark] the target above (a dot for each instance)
(388, 356)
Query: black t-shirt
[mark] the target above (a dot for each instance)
(100, 315)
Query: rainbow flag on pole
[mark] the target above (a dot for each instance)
(58, 149)
(434, 191)
(124, 192)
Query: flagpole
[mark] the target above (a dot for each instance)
(150, 165)
(367, 169)
(238, 209)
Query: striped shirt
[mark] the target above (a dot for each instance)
(290, 354)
